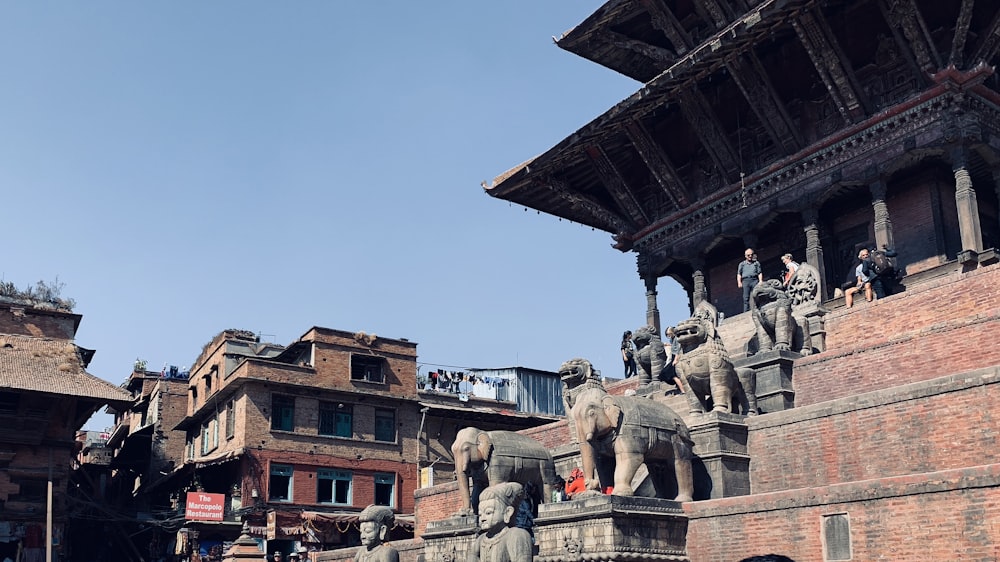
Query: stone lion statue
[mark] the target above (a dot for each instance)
(706, 369)
(650, 356)
(773, 309)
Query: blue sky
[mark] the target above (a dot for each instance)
(188, 167)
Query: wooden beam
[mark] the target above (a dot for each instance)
(989, 44)
(760, 94)
(829, 65)
(659, 165)
(612, 221)
(713, 12)
(665, 57)
(961, 33)
(703, 121)
(616, 184)
(904, 16)
(664, 20)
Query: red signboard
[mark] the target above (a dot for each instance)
(204, 507)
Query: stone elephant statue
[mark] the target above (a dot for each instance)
(488, 458)
(704, 366)
(630, 431)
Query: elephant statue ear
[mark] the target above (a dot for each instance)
(485, 445)
(612, 410)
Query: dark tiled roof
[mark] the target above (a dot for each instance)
(51, 366)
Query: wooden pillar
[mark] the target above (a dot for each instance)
(652, 312)
(814, 249)
(965, 201)
(883, 225)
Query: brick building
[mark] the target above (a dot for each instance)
(298, 439)
(46, 395)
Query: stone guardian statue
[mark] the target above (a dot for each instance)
(376, 521)
(500, 540)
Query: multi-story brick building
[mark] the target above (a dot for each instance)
(46, 395)
(299, 439)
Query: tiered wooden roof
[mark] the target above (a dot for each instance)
(753, 108)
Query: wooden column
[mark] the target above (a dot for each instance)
(883, 225)
(814, 249)
(965, 201)
(652, 313)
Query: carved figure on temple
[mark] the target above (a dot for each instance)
(803, 287)
(619, 433)
(500, 540)
(704, 366)
(771, 309)
(651, 355)
(492, 457)
(375, 523)
(781, 315)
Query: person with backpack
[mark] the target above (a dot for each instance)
(879, 268)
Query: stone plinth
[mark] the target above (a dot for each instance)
(449, 540)
(774, 379)
(244, 548)
(611, 528)
(722, 466)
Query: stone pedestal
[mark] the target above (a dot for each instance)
(612, 529)
(774, 379)
(449, 540)
(244, 548)
(722, 466)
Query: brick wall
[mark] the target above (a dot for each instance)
(929, 426)
(27, 321)
(435, 503)
(940, 326)
(948, 515)
(304, 481)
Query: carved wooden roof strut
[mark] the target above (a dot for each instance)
(713, 12)
(664, 20)
(665, 57)
(659, 165)
(701, 117)
(904, 16)
(616, 185)
(829, 65)
(961, 34)
(752, 80)
(607, 218)
(989, 44)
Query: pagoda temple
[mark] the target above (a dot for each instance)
(788, 126)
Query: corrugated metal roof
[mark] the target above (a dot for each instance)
(51, 366)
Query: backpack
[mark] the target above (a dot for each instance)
(881, 264)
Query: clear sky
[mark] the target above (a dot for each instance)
(188, 167)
